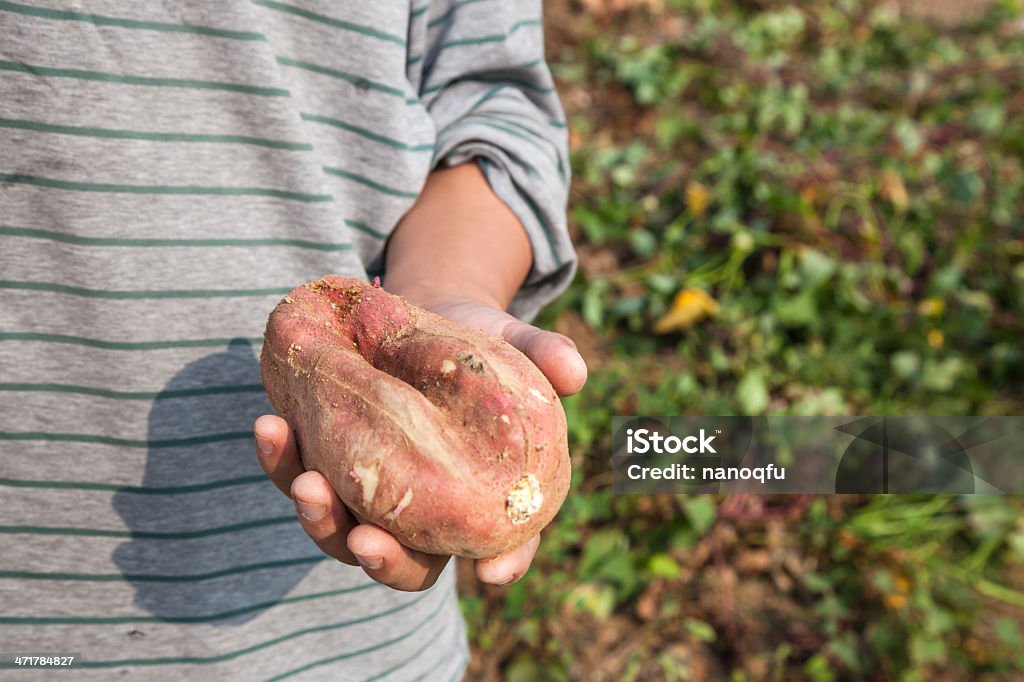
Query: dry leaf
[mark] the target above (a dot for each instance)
(697, 198)
(931, 307)
(893, 190)
(689, 307)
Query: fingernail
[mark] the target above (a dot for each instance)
(309, 511)
(263, 446)
(372, 563)
(507, 580)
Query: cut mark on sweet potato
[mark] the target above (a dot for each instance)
(524, 500)
(402, 504)
(447, 367)
(367, 478)
(539, 396)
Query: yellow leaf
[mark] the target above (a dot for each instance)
(936, 338)
(931, 307)
(697, 198)
(893, 190)
(689, 307)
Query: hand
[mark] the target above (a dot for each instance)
(341, 535)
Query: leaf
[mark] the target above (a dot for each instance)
(931, 307)
(942, 375)
(905, 363)
(816, 266)
(892, 189)
(697, 198)
(690, 306)
(798, 311)
(700, 511)
(602, 544)
(752, 393)
(967, 187)
(924, 649)
(662, 565)
(596, 599)
(1008, 633)
(699, 630)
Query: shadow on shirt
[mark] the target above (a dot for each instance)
(213, 541)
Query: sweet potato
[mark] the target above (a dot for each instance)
(450, 439)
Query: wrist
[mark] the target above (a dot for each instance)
(459, 243)
(433, 295)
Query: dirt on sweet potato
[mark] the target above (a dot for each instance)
(450, 439)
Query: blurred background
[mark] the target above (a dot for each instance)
(808, 208)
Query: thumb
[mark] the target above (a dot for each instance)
(555, 355)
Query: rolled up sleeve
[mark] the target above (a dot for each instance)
(487, 86)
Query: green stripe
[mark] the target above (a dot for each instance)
(147, 243)
(363, 180)
(545, 226)
(198, 660)
(419, 10)
(413, 60)
(330, 21)
(132, 395)
(368, 134)
(123, 442)
(448, 15)
(555, 123)
(162, 189)
(141, 294)
(468, 121)
(39, 127)
(358, 81)
(497, 38)
(515, 128)
(515, 67)
(529, 135)
(376, 647)
(189, 83)
(151, 578)
(149, 535)
(363, 227)
(492, 92)
(541, 220)
(101, 20)
(121, 345)
(413, 656)
(458, 673)
(122, 620)
(131, 489)
(516, 82)
(429, 673)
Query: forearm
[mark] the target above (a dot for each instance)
(459, 242)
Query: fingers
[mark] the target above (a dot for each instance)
(277, 452)
(388, 562)
(323, 516)
(509, 567)
(555, 355)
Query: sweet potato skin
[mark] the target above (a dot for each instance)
(450, 439)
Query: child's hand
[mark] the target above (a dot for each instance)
(332, 526)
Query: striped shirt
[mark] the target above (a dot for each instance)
(167, 171)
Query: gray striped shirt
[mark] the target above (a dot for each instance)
(167, 172)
